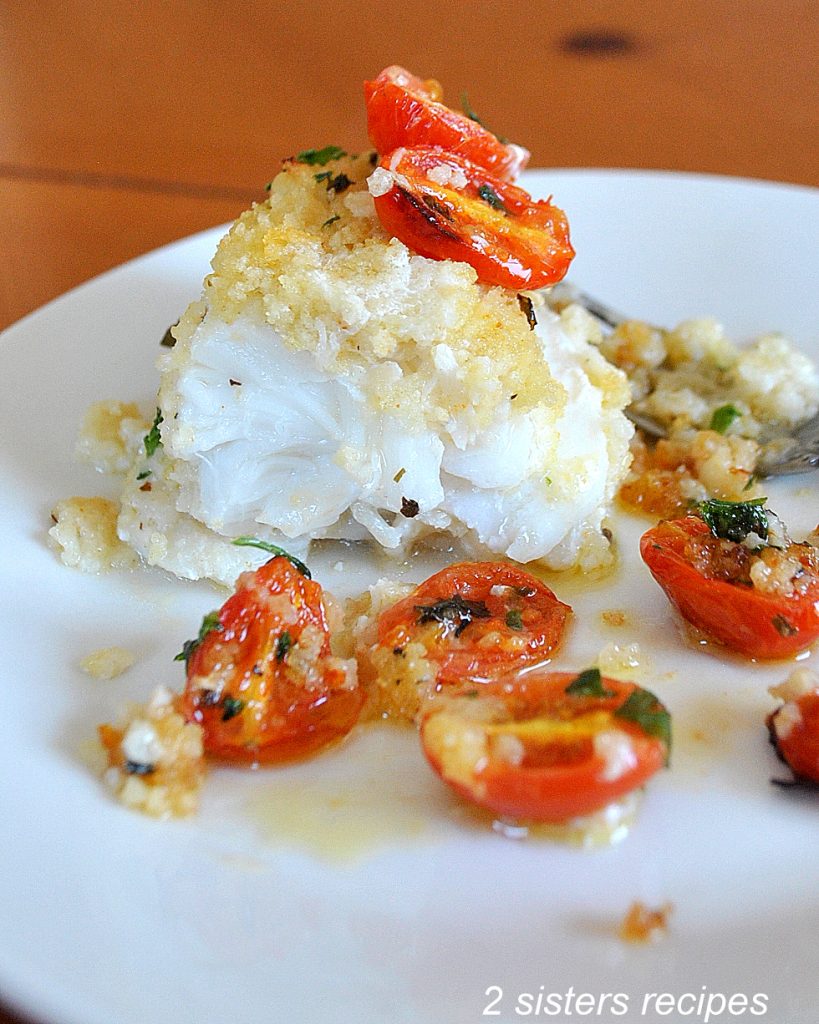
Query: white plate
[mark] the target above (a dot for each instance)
(110, 917)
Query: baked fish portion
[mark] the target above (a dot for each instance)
(329, 383)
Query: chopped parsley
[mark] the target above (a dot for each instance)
(320, 157)
(153, 439)
(645, 710)
(137, 768)
(722, 418)
(490, 196)
(528, 309)
(734, 520)
(589, 684)
(514, 620)
(231, 707)
(323, 176)
(144, 474)
(470, 113)
(273, 549)
(454, 613)
(283, 645)
(331, 220)
(209, 624)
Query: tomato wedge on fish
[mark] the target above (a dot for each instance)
(444, 206)
(404, 110)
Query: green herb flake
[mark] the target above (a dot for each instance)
(751, 481)
(453, 613)
(168, 340)
(320, 157)
(490, 196)
(283, 645)
(735, 520)
(231, 707)
(588, 684)
(210, 623)
(273, 549)
(722, 418)
(514, 620)
(153, 439)
(144, 474)
(645, 710)
(323, 176)
(470, 113)
(783, 627)
(331, 220)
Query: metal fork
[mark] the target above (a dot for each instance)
(782, 455)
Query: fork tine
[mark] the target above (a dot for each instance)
(567, 292)
(798, 453)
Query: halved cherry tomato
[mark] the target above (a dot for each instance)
(548, 746)
(261, 680)
(707, 579)
(446, 208)
(477, 620)
(403, 110)
(794, 729)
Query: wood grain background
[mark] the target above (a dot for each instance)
(124, 125)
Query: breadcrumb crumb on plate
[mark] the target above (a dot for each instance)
(155, 759)
(644, 924)
(84, 535)
(107, 662)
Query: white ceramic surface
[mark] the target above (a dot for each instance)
(412, 914)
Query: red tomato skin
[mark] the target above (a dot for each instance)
(555, 794)
(526, 248)
(473, 581)
(281, 720)
(741, 618)
(402, 110)
(800, 748)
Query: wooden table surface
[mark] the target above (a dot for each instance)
(124, 125)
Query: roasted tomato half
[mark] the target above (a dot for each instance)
(443, 206)
(477, 620)
(261, 679)
(404, 110)
(794, 726)
(548, 747)
(767, 612)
